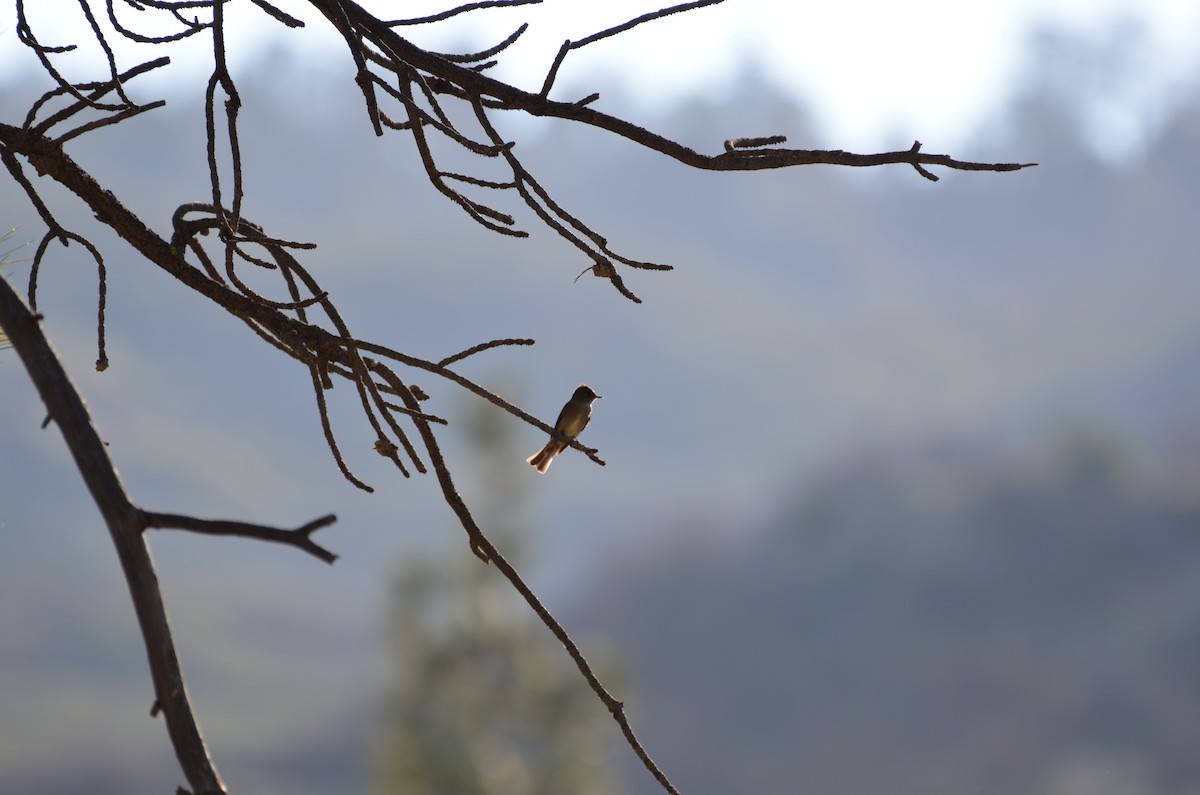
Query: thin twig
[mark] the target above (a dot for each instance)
(300, 537)
(613, 31)
(287, 19)
(483, 346)
(463, 9)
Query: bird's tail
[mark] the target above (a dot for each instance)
(542, 458)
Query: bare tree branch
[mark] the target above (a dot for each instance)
(463, 9)
(125, 523)
(301, 537)
(483, 346)
(613, 31)
(365, 35)
(405, 88)
(286, 19)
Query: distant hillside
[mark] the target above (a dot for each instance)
(923, 624)
(932, 629)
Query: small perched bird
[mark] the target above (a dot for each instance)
(571, 421)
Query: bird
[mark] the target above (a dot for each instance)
(571, 421)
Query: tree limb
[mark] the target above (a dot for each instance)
(300, 537)
(125, 523)
(461, 81)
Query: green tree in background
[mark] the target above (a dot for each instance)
(480, 703)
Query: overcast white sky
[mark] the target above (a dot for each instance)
(869, 69)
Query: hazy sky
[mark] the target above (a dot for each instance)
(874, 71)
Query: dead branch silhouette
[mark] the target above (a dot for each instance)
(405, 89)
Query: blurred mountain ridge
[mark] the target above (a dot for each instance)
(925, 621)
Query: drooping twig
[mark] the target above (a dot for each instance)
(475, 57)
